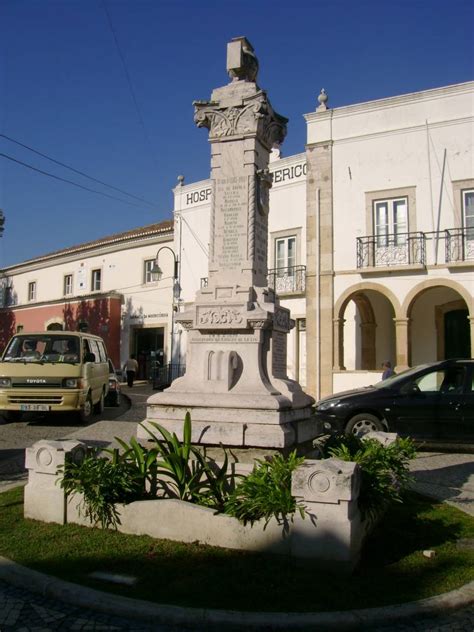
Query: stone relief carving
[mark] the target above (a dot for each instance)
(220, 316)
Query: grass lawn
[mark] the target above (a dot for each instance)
(393, 568)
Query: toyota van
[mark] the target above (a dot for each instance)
(52, 372)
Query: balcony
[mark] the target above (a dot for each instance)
(290, 280)
(416, 249)
(401, 249)
(459, 245)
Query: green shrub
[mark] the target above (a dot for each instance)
(104, 483)
(266, 491)
(384, 469)
(143, 462)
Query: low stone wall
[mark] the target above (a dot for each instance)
(331, 533)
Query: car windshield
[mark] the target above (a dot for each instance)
(394, 379)
(43, 349)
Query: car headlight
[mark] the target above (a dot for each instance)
(328, 405)
(71, 382)
(5, 382)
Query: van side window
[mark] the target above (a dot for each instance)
(86, 347)
(103, 352)
(95, 350)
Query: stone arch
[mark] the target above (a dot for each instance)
(368, 322)
(346, 296)
(463, 299)
(422, 287)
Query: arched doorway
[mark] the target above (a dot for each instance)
(55, 327)
(457, 335)
(439, 325)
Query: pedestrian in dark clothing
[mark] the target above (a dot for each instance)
(387, 370)
(131, 367)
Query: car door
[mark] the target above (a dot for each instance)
(456, 405)
(413, 407)
(425, 405)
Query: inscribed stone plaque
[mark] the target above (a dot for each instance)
(231, 222)
(279, 354)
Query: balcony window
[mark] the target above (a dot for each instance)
(32, 291)
(96, 280)
(285, 253)
(67, 284)
(468, 213)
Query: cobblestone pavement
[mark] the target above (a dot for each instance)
(449, 477)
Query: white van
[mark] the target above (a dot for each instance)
(53, 371)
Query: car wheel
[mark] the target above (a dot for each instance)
(11, 415)
(363, 423)
(86, 411)
(99, 407)
(117, 399)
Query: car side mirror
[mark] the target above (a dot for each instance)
(89, 357)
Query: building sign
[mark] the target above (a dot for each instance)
(288, 174)
(141, 317)
(197, 197)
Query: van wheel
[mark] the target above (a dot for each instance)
(363, 423)
(99, 407)
(86, 411)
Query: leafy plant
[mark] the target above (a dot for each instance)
(384, 469)
(143, 461)
(266, 491)
(182, 473)
(103, 483)
(216, 487)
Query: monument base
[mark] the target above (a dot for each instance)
(234, 427)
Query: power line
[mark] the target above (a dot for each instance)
(129, 81)
(81, 173)
(80, 186)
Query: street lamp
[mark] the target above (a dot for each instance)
(157, 273)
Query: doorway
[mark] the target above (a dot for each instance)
(148, 345)
(457, 336)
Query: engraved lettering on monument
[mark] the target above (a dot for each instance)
(231, 223)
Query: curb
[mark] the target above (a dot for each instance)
(89, 598)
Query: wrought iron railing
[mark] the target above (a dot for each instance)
(290, 280)
(391, 250)
(162, 376)
(459, 244)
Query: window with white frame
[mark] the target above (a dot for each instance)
(285, 255)
(148, 275)
(391, 221)
(468, 213)
(32, 291)
(67, 284)
(96, 280)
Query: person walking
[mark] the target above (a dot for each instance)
(387, 370)
(131, 368)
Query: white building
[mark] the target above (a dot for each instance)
(371, 246)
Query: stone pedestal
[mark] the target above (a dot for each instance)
(236, 385)
(44, 498)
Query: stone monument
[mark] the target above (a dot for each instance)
(236, 385)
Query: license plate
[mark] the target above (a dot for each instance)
(35, 407)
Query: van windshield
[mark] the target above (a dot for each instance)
(43, 349)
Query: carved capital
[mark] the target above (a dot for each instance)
(254, 116)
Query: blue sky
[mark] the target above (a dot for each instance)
(64, 92)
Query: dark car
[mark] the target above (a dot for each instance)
(429, 402)
(113, 396)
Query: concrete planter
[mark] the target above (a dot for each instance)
(331, 534)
